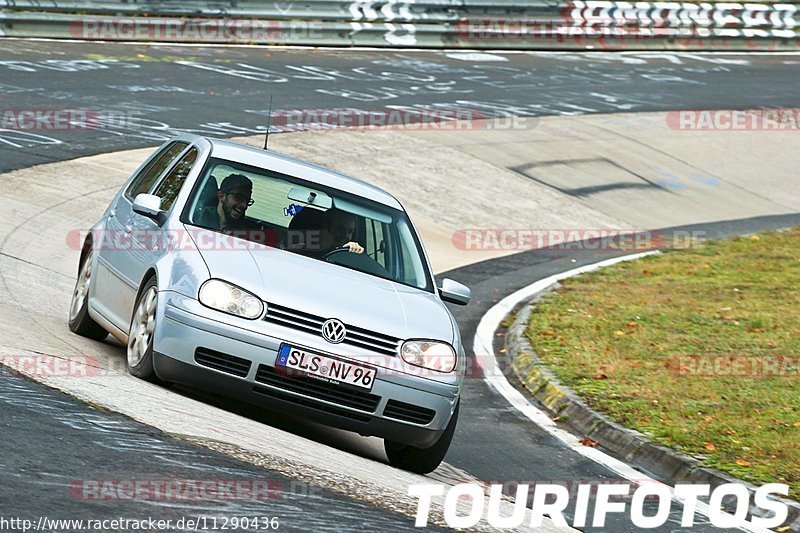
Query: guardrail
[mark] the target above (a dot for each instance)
(478, 24)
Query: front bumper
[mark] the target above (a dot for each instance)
(251, 377)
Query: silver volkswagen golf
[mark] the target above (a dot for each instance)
(272, 280)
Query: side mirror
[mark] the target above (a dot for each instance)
(149, 205)
(454, 292)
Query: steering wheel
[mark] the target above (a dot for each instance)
(335, 251)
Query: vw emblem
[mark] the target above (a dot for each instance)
(333, 331)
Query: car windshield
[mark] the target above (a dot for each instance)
(305, 218)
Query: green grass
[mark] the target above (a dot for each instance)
(639, 341)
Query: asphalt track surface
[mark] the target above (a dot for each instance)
(142, 95)
(57, 450)
(145, 94)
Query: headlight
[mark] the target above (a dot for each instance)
(230, 299)
(432, 355)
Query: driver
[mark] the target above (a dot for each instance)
(337, 232)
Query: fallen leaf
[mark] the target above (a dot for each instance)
(619, 333)
(742, 462)
(646, 272)
(708, 418)
(796, 424)
(601, 375)
(755, 238)
(631, 324)
(710, 446)
(586, 441)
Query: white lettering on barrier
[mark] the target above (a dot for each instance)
(673, 18)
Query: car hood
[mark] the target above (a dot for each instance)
(327, 290)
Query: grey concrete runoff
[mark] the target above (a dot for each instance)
(141, 94)
(633, 447)
(450, 180)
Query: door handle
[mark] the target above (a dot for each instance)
(128, 229)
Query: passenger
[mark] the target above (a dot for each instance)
(228, 212)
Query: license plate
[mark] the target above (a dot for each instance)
(326, 368)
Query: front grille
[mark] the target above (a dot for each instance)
(305, 402)
(355, 399)
(408, 412)
(230, 364)
(358, 337)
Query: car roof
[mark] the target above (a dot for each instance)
(290, 166)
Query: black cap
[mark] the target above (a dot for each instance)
(236, 181)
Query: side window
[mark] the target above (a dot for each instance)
(145, 180)
(409, 273)
(171, 186)
(375, 246)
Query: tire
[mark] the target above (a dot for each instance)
(140, 336)
(421, 460)
(79, 320)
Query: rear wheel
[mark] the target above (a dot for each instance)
(140, 337)
(421, 460)
(79, 320)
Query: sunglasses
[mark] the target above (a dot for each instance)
(242, 198)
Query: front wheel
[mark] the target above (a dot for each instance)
(421, 460)
(140, 337)
(79, 320)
